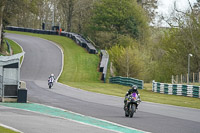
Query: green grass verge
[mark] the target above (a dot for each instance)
(80, 71)
(146, 94)
(15, 47)
(5, 130)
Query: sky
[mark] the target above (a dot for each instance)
(166, 6)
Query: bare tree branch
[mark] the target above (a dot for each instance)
(190, 5)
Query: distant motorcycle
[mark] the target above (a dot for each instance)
(50, 82)
(133, 101)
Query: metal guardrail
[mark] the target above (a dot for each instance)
(127, 81)
(9, 47)
(103, 66)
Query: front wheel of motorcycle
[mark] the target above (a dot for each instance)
(132, 110)
(126, 113)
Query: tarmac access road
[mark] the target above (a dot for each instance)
(151, 117)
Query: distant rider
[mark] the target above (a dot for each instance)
(130, 91)
(51, 78)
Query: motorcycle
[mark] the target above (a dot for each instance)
(50, 82)
(133, 101)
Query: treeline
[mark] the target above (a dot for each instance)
(123, 28)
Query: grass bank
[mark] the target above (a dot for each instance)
(81, 71)
(79, 66)
(5, 130)
(15, 47)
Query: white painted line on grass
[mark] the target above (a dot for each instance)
(11, 128)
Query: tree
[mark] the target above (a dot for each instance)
(150, 7)
(2, 6)
(10, 10)
(126, 58)
(82, 15)
(175, 46)
(121, 17)
(68, 9)
(20, 12)
(170, 54)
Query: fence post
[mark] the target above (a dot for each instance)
(176, 79)
(199, 77)
(181, 78)
(193, 77)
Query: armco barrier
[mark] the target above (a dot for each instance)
(9, 47)
(76, 37)
(103, 64)
(176, 89)
(127, 81)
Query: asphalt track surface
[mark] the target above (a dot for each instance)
(43, 57)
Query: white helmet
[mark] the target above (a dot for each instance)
(134, 87)
(52, 74)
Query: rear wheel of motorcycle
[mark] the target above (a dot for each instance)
(132, 110)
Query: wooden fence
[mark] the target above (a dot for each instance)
(183, 78)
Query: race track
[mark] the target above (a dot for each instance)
(43, 57)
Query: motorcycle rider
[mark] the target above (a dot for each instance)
(51, 78)
(130, 91)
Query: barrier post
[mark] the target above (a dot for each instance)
(170, 89)
(166, 89)
(162, 88)
(155, 87)
(179, 89)
(189, 90)
(199, 91)
(174, 89)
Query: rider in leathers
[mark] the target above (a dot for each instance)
(130, 91)
(51, 78)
